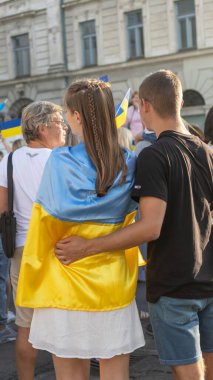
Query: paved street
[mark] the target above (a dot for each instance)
(144, 364)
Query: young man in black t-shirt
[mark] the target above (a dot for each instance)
(174, 188)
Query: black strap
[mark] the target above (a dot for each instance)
(10, 182)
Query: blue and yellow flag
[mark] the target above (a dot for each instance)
(105, 79)
(10, 128)
(67, 204)
(121, 110)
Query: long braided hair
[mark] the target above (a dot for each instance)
(93, 100)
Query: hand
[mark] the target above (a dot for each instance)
(138, 138)
(1, 138)
(70, 249)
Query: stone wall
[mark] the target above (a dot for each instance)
(56, 50)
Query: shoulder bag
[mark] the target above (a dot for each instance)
(8, 220)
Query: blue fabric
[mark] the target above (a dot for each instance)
(142, 270)
(143, 249)
(2, 105)
(4, 272)
(151, 137)
(67, 188)
(183, 329)
(10, 124)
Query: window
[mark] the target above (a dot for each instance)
(17, 107)
(135, 34)
(21, 50)
(193, 110)
(89, 47)
(192, 98)
(186, 24)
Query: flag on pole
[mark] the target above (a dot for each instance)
(3, 104)
(10, 128)
(121, 110)
(105, 79)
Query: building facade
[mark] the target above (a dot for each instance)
(45, 44)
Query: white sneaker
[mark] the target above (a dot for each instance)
(144, 314)
(10, 317)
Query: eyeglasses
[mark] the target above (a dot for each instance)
(61, 122)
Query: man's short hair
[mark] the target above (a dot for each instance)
(164, 91)
(35, 114)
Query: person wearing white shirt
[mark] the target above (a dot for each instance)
(43, 128)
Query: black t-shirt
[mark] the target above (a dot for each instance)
(178, 169)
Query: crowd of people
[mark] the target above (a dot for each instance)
(75, 267)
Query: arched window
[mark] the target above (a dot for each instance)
(16, 108)
(192, 98)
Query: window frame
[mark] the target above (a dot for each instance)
(189, 29)
(20, 66)
(91, 37)
(197, 99)
(138, 34)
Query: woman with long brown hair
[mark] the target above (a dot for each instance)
(86, 309)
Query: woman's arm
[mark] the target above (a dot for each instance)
(6, 145)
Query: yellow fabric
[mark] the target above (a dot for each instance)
(11, 132)
(120, 119)
(105, 281)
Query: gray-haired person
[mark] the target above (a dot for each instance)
(43, 129)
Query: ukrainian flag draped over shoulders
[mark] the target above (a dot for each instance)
(67, 204)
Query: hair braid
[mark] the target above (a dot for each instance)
(93, 120)
(93, 100)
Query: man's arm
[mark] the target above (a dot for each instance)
(3, 199)
(152, 211)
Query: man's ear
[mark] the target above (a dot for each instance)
(42, 129)
(182, 103)
(147, 106)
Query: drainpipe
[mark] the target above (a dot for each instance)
(64, 41)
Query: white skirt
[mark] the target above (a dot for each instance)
(85, 335)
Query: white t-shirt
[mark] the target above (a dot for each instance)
(28, 166)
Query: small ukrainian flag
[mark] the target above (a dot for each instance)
(10, 128)
(121, 110)
(105, 79)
